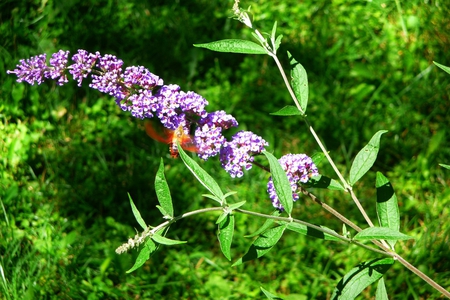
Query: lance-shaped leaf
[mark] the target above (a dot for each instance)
(137, 214)
(445, 68)
(225, 235)
(365, 159)
(381, 233)
(299, 82)
(381, 293)
(163, 192)
(267, 224)
(288, 110)
(165, 241)
(262, 244)
(305, 230)
(387, 205)
(324, 182)
(280, 182)
(445, 166)
(269, 295)
(202, 176)
(360, 277)
(144, 255)
(234, 46)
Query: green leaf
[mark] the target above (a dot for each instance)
(267, 224)
(381, 233)
(144, 255)
(360, 277)
(387, 206)
(204, 178)
(225, 235)
(137, 214)
(381, 293)
(289, 110)
(234, 46)
(278, 42)
(317, 157)
(299, 82)
(365, 159)
(305, 230)
(236, 205)
(445, 68)
(262, 244)
(269, 295)
(165, 241)
(280, 182)
(324, 182)
(163, 192)
(445, 166)
(221, 217)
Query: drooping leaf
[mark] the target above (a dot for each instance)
(269, 295)
(137, 214)
(225, 235)
(280, 182)
(299, 82)
(305, 230)
(360, 277)
(262, 244)
(163, 192)
(165, 241)
(288, 110)
(381, 293)
(202, 176)
(365, 159)
(267, 224)
(387, 206)
(445, 68)
(324, 182)
(381, 233)
(234, 46)
(144, 254)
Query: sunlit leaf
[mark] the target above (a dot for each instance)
(225, 235)
(360, 277)
(381, 233)
(289, 110)
(365, 159)
(381, 293)
(387, 205)
(262, 244)
(445, 166)
(165, 241)
(280, 182)
(305, 230)
(299, 82)
(445, 68)
(144, 254)
(202, 176)
(234, 46)
(269, 295)
(324, 182)
(163, 192)
(137, 214)
(267, 224)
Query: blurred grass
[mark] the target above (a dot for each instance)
(69, 155)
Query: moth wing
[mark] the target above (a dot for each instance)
(151, 131)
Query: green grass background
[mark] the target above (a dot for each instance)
(68, 155)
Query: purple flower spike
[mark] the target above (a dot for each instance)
(59, 62)
(168, 98)
(238, 153)
(31, 70)
(193, 103)
(110, 80)
(141, 77)
(299, 168)
(84, 62)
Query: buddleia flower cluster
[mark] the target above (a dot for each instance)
(144, 95)
(299, 169)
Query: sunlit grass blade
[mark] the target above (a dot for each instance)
(445, 68)
(280, 182)
(269, 295)
(225, 235)
(360, 277)
(234, 46)
(137, 214)
(163, 192)
(387, 205)
(262, 244)
(365, 159)
(144, 255)
(445, 166)
(202, 176)
(299, 82)
(381, 233)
